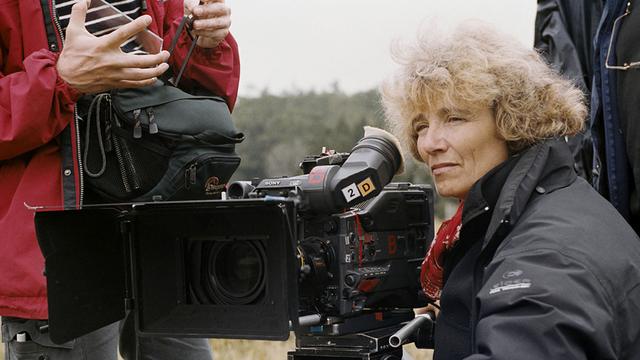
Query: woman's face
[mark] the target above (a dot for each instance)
(459, 146)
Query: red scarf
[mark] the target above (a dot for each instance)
(432, 271)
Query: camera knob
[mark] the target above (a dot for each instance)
(351, 280)
(305, 269)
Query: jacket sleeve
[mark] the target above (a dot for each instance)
(35, 104)
(216, 70)
(542, 305)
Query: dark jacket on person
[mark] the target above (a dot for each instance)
(576, 37)
(564, 31)
(614, 100)
(563, 35)
(545, 268)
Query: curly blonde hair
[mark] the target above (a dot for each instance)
(477, 66)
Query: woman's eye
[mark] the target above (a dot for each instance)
(421, 127)
(455, 119)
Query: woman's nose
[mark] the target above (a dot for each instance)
(431, 141)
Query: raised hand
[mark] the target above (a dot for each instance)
(212, 19)
(93, 64)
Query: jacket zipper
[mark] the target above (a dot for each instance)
(54, 14)
(79, 155)
(76, 118)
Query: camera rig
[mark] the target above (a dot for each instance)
(333, 254)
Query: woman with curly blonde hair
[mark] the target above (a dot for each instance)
(534, 264)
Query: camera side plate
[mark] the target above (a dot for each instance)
(84, 266)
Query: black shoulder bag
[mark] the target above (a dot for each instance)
(159, 142)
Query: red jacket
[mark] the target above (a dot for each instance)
(38, 154)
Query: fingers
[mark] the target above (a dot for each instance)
(127, 31)
(130, 77)
(125, 68)
(125, 84)
(142, 74)
(78, 15)
(212, 24)
(189, 5)
(139, 67)
(143, 61)
(211, 10)
(212, 36)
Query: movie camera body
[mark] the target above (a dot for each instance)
(365, 257)
(323, 253)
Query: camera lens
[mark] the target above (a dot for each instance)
(237, 268)
(240, 189)
(233, 272)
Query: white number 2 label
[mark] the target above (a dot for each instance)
(350, 192)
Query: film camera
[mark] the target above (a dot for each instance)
(333, 252)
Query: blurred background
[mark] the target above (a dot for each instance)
(309, 78)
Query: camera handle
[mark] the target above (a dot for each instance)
(418, 330)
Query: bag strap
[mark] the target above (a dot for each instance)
(185, 24)
(96, 102)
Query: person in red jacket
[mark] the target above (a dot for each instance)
(48, 61)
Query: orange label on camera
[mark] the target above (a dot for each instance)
(366, 187)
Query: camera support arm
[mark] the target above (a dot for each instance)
(412, 329)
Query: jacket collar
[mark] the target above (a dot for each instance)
(483, 195)
(542, 168)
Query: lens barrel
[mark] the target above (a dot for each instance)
(231, 272)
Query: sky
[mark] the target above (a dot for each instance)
(302, 45)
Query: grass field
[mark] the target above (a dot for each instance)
(267, 350)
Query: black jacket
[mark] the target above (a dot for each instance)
(563, 35)
(564, 31)
(545, 268)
